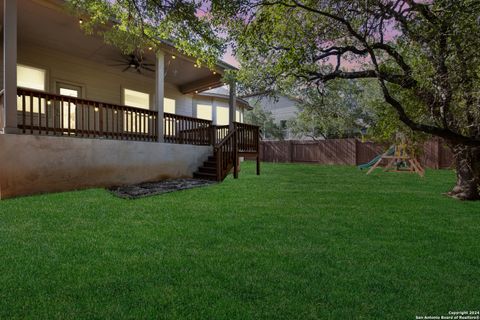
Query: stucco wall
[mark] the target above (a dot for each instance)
(38, 164)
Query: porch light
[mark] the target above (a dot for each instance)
(196, 91)
(195, 65)
(96, 109)
(150, 48)
(173, 57)
(80, 21)
(214, 72)
(49, 102)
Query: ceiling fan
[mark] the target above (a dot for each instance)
(134, 62)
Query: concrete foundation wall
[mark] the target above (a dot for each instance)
(39, 164)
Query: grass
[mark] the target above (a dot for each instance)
(297, 242)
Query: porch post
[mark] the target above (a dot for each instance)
(232, 105)
(9, 112)
(160, 92)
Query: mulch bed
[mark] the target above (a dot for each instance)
(155, 188)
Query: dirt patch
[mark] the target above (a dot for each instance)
(155, 188)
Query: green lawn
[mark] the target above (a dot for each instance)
(297, 242)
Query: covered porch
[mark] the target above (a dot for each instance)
(58, 80)
(60, 84)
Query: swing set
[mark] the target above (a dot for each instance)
(400, 158)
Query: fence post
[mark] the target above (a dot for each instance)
(355, 161)
(290, 147)
(439, 154)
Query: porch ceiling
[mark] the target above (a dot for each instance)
(46, 23)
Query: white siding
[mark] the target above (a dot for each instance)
(283, 109)
(219, 107)
(99, 82)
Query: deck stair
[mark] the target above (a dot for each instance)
(208, 171)
(229, 145)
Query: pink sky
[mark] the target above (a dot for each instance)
(229, 58)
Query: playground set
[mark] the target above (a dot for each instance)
(399, 158)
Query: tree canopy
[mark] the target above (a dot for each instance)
(133, 25)
(424, 55)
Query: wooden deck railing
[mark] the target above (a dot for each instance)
(52, 114)
(242, 140)
(248, 137)
(186, 130)
(220, 132)
(226, 154)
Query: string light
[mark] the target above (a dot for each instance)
(214, 72)
(96, 109)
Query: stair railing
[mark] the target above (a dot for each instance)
(226, 154)
(228, 145)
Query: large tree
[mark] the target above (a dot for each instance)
(338, 111)
(424, 56)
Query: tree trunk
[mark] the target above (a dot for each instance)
(467, 162)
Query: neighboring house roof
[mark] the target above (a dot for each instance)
(270, 95)
(223, 93)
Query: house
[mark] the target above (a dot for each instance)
(282, 108)
(76, 113)
(213, 105)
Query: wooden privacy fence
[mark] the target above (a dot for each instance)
(435, 153)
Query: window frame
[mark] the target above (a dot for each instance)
(123, 102)
(35, 67)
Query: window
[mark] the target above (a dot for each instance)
(239, 115)
(31, 78)
(204, 111)
(222, 116)
(69, 110)
(169, 105)
(136, 99)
